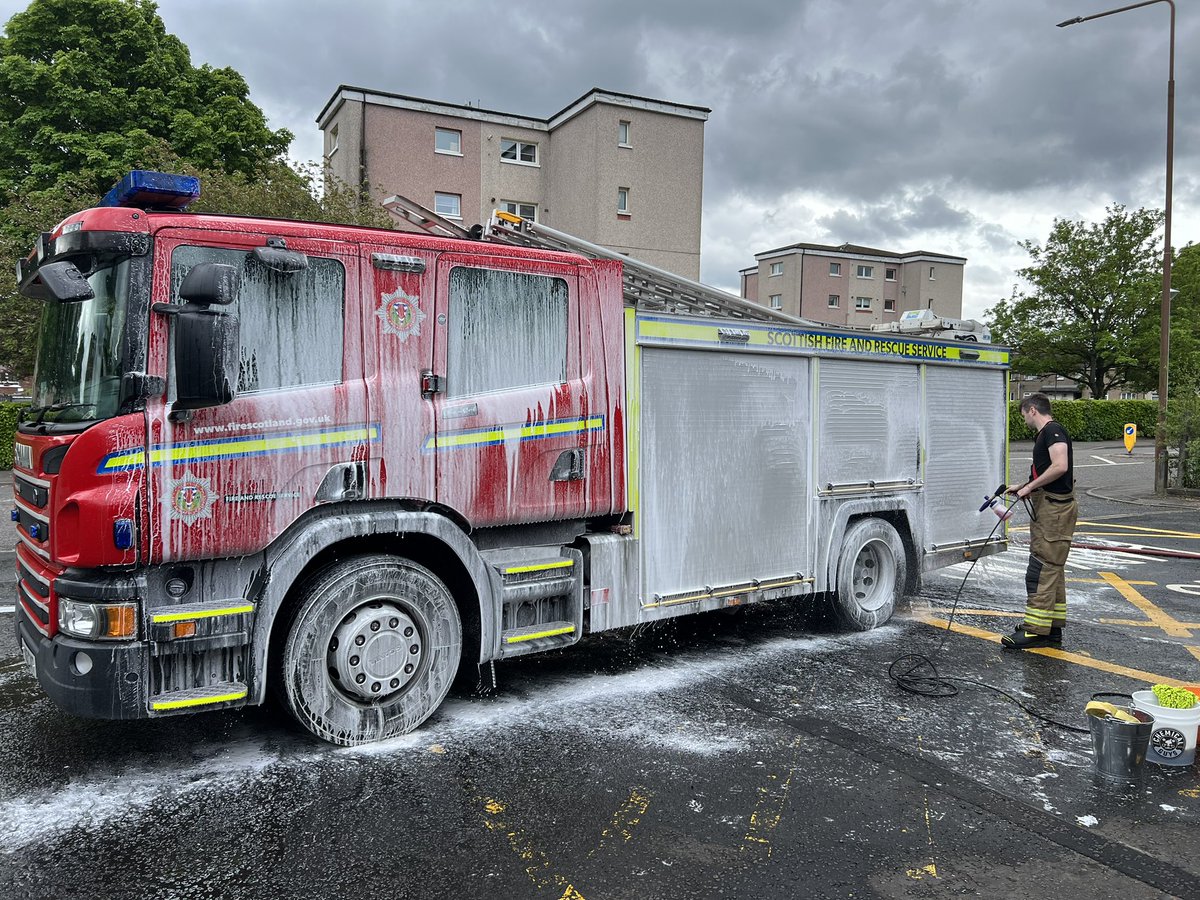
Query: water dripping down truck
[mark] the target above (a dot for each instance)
(341, 466)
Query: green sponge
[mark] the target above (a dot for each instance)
(1173, 697)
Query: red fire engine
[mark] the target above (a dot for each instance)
(338, 462)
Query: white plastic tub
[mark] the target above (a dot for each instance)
(1173, 741)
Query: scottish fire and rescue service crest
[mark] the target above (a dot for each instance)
(400, 314)
(192, 499)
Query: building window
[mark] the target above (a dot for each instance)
(623, 134)
(931, 271)
(527, 211)
(835, 268)
(623, 200)
(889, 305)
(1128, 395)
(333, 141)
(448, 205)
(525, 314)
(777, 268)
(862, 303)
(776, 301)
(889, 274)
(866, 271)
(518, 152)
(834, 301)
(447, 140)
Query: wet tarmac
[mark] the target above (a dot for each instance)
(755, 754)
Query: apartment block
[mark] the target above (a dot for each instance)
(623, 171)
(854, 285)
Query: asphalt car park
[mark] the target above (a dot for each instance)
(756, 754)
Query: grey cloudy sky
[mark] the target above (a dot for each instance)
(957, 126)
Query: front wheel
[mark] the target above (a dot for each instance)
(371, 650)
(871, 574)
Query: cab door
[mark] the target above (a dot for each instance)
(511, 426)
(227, 480)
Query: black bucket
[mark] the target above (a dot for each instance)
(1119, 748)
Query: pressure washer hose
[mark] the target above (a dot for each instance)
(917, 674)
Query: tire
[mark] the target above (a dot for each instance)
(871, 574)
(371, 650)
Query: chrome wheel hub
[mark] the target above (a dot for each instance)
(374, 651)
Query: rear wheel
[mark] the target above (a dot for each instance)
(871, 574)
(371, 650)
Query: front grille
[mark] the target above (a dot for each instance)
(34, 494)
(35, 529)
(37, 607)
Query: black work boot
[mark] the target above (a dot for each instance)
(1027, 640)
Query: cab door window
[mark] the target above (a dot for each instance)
(507, 330)
(292, 324)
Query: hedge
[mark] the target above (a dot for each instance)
(1091, 420)
(9, 412)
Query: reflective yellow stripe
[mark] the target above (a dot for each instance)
(225, 447)
(633, 414)
(503, 433)
(202, 614)
(541, 567)
(198, 701)
(842, 343)
(541, 634)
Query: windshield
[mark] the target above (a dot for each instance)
(77, 376)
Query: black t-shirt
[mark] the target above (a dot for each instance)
(1053, 433)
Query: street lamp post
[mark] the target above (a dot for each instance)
(1164, 338)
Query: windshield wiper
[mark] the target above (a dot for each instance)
(40, 411)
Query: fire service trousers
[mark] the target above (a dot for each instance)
(1050, 533)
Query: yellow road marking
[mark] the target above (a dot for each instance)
(1142, 623)
(1161, 531)
(1195, 651)
(1168, 624)
(1102, 581)
(1065, 655)
(769, 809)
(537, 864)
(625, 819)
(931, 869)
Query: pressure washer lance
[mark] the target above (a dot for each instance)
(996, 504)
(917, 674)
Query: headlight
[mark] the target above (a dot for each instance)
(98, 621)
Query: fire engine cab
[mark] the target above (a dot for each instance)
(341, 463)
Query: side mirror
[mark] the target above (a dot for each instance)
(278, 259)
(62, 281)
(210, 284)
(206, 357)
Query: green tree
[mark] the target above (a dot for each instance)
(1092, 310)
(89, 87)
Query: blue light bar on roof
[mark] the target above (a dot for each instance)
(158, 190)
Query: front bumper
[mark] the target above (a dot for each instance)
(113, 687)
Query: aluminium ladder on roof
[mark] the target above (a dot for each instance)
(646, 287)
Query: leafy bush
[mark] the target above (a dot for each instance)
(1091, 420)
(9, 412)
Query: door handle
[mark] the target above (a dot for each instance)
(571, 465)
